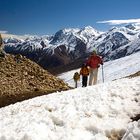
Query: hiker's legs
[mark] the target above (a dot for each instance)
(95, 73)
(75, 84)
(84, 81)
(91, 77)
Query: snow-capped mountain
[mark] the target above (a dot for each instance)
(69, 36)
(69, 45)
(117, 42)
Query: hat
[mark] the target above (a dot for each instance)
(94, 51)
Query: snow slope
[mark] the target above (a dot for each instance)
(93, 113)
(112, 69)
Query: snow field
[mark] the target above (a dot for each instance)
(97, 112)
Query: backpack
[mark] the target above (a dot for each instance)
(76, 76)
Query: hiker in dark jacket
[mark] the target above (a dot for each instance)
(94, 62)
(84, 71)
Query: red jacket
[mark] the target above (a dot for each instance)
(94, 61)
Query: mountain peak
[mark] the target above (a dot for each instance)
(131, 26)
(88, 27)
(90, 30)
(67, 30)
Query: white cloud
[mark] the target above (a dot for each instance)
(118, 22)
(3, 32)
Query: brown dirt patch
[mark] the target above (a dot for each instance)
(24, 80)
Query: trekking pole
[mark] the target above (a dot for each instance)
(103, 73)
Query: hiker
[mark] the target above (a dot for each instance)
(84, 71)
(76, 78)
(94, 62)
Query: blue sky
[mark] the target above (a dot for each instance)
(48, 16)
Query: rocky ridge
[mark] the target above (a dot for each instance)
(23, 79)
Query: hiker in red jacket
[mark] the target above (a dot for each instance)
(94, 62)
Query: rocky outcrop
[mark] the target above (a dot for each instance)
(22, 79)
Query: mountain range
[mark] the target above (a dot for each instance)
(68, 48)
